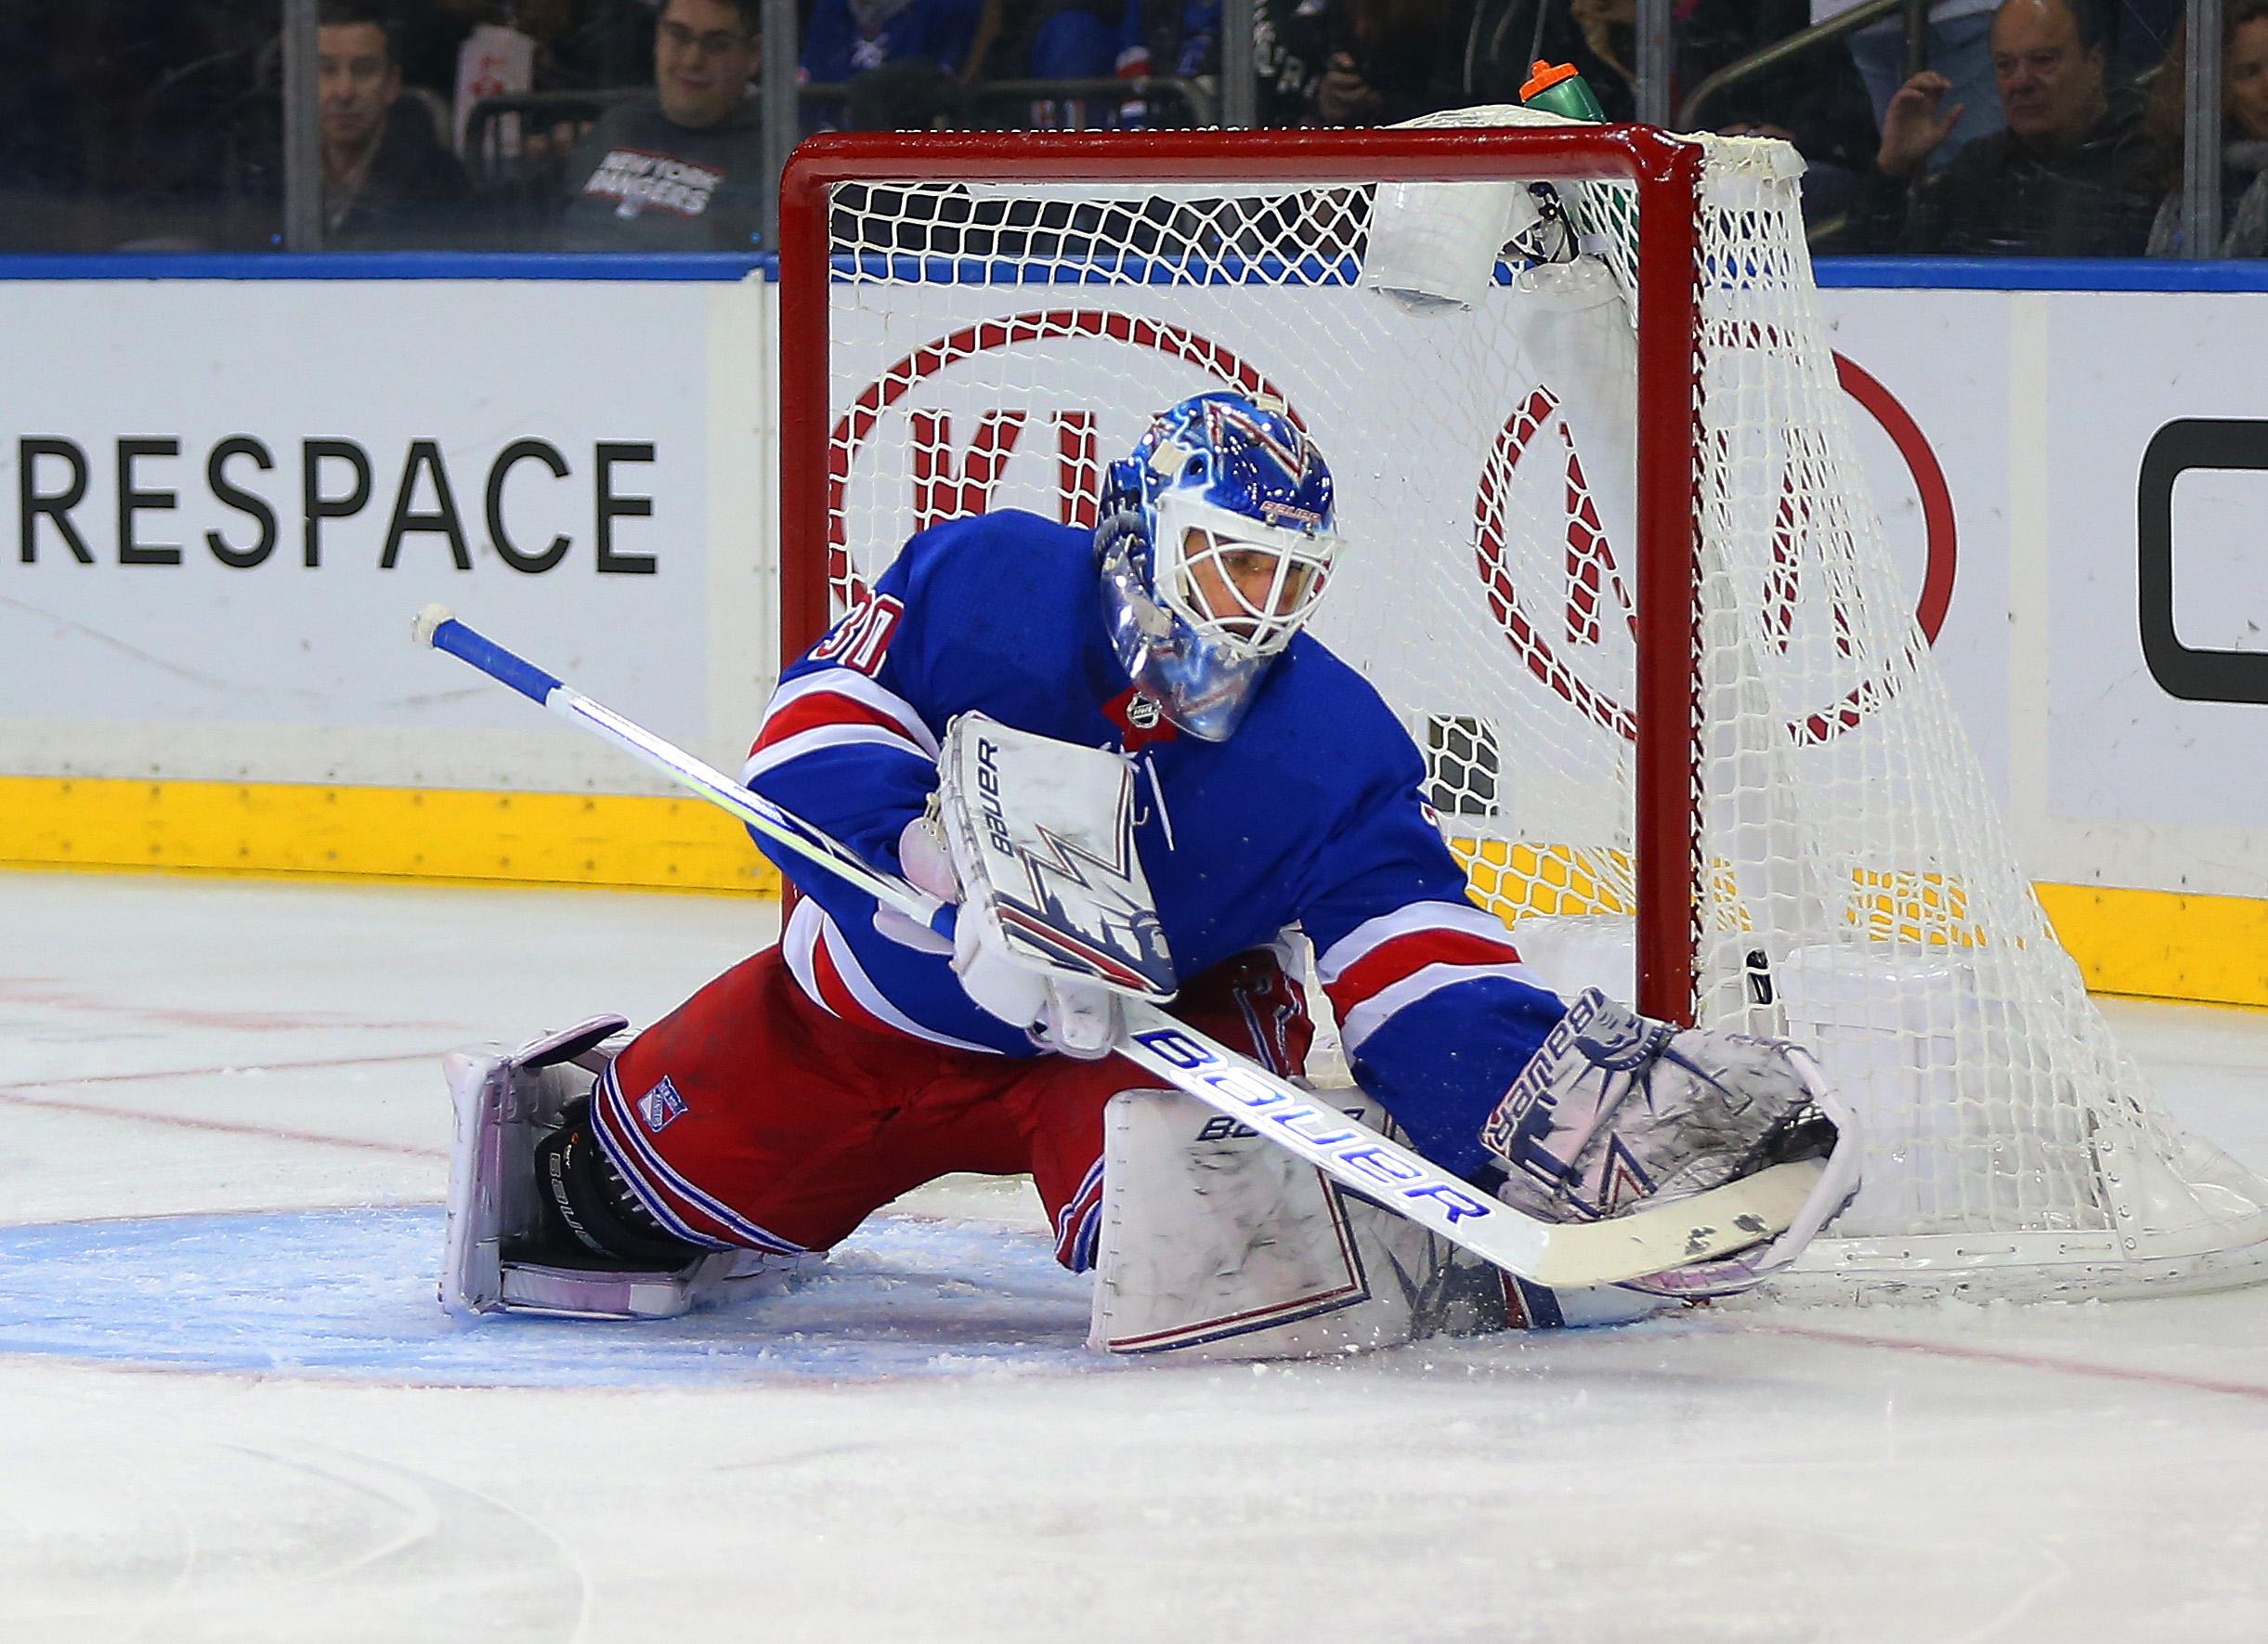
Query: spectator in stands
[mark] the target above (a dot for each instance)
(1337, 62)
(2066, 177)
(919, 54)
(681, 170)
(1073, 40)
(1386, 63)
(1291, 45)
(1959, 48)
(1076, 39)
(2244, 134)
(1490, 45)
(387, 179)
(580, 44)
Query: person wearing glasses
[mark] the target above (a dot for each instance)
(681, 170)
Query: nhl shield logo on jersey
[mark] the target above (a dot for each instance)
(661, 1107)
(1141, 719)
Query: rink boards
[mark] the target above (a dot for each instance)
(232, 493)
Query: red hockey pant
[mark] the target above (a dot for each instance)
(751, 1116)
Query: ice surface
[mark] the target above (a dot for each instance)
(228, 1411)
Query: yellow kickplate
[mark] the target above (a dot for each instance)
(2164, 944)
(2152, 944)
(289, 827)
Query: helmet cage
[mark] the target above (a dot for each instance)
(1197, 548)
(1219, 486)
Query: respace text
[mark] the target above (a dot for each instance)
(336, 480)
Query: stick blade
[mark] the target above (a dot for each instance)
(1709, 1225)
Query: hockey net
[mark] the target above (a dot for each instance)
(1612, 561)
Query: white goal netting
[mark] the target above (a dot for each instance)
(993, 344)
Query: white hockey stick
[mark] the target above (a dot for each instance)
(1636, 1246)
(439, 627)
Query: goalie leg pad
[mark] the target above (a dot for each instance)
(503, 1251)
(1617, 1110)
(1217, 1245)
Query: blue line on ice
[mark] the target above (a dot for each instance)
(349, 1295)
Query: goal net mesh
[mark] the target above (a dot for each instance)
(995, 345)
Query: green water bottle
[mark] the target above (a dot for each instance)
(1558, 89)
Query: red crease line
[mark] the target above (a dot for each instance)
(2020, 1361)
(16, 1096)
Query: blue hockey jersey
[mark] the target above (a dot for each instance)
(1312, 814)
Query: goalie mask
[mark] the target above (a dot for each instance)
(1217, 541)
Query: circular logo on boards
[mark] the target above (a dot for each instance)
(1561, 584)
(930, 439)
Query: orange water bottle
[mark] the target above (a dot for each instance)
(1559, 88)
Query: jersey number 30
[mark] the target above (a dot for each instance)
(862, 638)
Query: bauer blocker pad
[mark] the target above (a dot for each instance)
(1042, 835)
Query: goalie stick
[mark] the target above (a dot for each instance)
(1644, 1243)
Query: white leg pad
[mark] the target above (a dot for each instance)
(505, 1102)
(1219, 1243)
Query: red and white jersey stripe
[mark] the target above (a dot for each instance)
(834, 708)
(1387, 963)
(832, 977)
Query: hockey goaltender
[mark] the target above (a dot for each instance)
(1133, 775)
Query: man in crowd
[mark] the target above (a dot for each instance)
(2064, 179)
(1958, 44)
(387, 179)
(681, 170)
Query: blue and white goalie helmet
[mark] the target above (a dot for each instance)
(1216, 542)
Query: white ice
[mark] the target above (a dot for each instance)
(229, 1411)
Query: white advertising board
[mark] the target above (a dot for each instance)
(229, 499)
(2160, 707)
(2098, 445)
(1926, 386)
